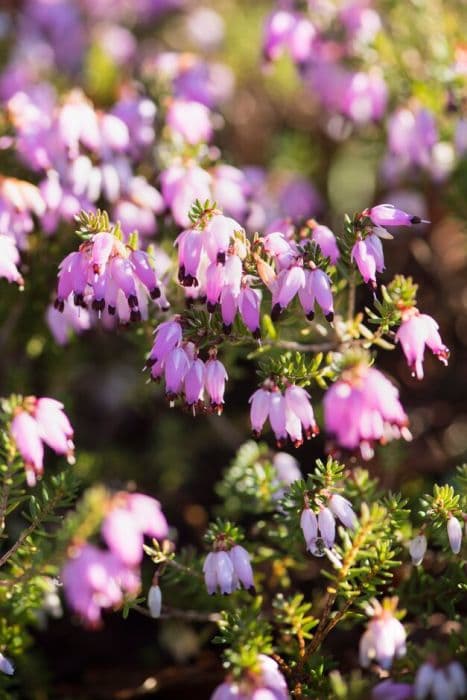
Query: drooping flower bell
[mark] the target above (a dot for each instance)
(454, 529)
(228, 568)
(111, 277)
(132, 516)
(94, 579)
(290, 413)
(440, 682)
(389, 215)
(416, 332)
(37, 421)
(385, 636)
(362, 408)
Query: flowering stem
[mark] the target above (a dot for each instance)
(325, 624)
(351, 300)
(176, 613)
(46, 510)
(7, 482)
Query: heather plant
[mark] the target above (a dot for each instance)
(266, 308)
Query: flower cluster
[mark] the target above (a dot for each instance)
(20, 202)
(84, 155)
(310, 41)
(367, 251)
(415, 332)
(112, 278)
(320, 531)
(96, 578)
(210, 259)
(290, 413)
(227, 568)
(295, 272)
(385, 636)
(185, 373)
(439, 682)
(38, 421)
(362, 408)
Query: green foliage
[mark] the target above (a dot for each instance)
(247, 634)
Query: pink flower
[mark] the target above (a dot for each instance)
(265, 683)
(9, 259)
(369, 256)
(362, 408)
(249, 303)
(132, 517)
(190, 120)
(110, 276)
(415, 332)
(288, 413)
(388, 215)
(25, 433)
(317, 290)
(37, 421)
(385, 636)
(94, 579)
(214, 382)
(342, 509)
(326, 240)
(168, 336)
(287, 284)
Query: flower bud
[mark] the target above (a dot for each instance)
(417, 549)
(155, 601)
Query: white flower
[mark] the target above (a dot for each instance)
(417, 549)
(155, 601)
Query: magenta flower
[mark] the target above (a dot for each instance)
(37, 421)
(326, 240)
(317, 290)
(287, 284)
(388, 215)
(415, 332)
(132, 517)
(362, 408)
(214, 382)
(123, 537)
(177, 364)
(190, 120)
(110, 276)
(25, 433)
(249, 303)
(385, 636)
(369, 256)
(194, 383)
(168, 336)
(94, 579)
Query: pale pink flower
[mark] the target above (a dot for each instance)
(415, 332)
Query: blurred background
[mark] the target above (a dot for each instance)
(271, 122)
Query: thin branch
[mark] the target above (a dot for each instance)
(30, 529)
(175, 613)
